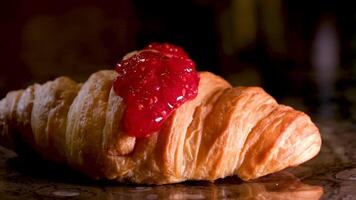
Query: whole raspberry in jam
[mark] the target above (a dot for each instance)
(153, 83)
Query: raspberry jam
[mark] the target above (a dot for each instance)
(153, 83)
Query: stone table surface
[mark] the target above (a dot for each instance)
(331, 175)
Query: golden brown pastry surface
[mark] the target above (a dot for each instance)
(224, 131)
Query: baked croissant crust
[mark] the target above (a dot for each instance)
(224, 131)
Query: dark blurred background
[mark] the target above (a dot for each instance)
(301, 52)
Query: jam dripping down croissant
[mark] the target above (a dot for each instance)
(224, 131)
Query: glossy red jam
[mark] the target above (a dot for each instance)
(153, 83)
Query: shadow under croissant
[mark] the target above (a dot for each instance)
(281, 185)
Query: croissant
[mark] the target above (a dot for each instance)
(224, 131)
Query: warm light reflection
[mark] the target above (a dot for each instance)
(281, 185)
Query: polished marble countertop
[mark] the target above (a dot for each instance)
(331, 175)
